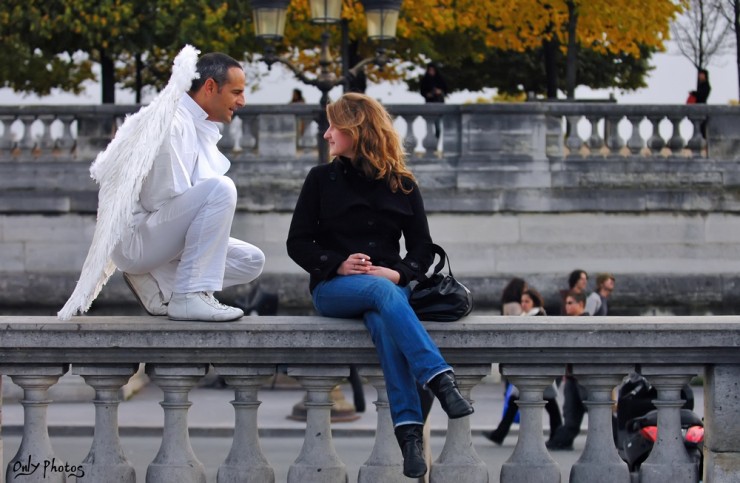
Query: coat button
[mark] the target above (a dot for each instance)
(414, 265)
(323, 258)
(370, 222)
(372, 244)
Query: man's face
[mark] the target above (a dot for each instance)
(222, 102)
(609, 284)
(580, 285)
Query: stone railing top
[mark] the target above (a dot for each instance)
(318, 340)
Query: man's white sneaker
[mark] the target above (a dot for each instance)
(146, 290)
(201, 306)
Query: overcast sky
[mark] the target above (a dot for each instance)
(669, 83)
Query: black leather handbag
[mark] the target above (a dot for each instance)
(439, 297)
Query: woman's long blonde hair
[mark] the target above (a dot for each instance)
(377, 146)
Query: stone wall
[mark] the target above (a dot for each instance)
(509, 192)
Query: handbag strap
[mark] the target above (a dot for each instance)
(438, 250)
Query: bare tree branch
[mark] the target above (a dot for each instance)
(701, 32)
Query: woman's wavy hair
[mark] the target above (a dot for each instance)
(377, 145)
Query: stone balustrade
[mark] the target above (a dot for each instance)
(538, 130)
(533, 189)
(36, 351)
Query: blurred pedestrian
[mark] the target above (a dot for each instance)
(433, 88)
(596, 303)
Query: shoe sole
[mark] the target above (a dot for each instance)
(458, 416)
(182, 319)
(136, 296)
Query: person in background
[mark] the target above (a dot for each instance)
(703, 88)
(433, 88)
(596, 303)
(345, 232)
(577, 282)
(574, 393)
(701, 94)
(511, 297)
(532, 304)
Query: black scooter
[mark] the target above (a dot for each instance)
(636, 423)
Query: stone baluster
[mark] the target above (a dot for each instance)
(46, 143)
(676, 142)
(668, 460)
(635, 143)
(573, 142)
(27, 141)
(452, 136)
(226, 143)
(175, 462)
(697, 143)
(7, 142)
(245, 462)
(614, 141)
(430, 141)
(35, 447)
(655, 143)
(66, 141)
(530, 462)
(318, 461)
(385, 462)
(410, 140)
(595, 141)
(106, 460)
(600, 460)
(248, 141)
(458, 460)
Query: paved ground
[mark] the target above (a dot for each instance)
(211, 423)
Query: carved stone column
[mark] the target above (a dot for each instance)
(458, 460)
(530, 462)
(385, 462)
(600, 460)
(106, 460)
(318, 461)
(245, 462)
(175, 462)
(35, 448)
(668, 460)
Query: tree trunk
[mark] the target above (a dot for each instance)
(550, 52)
(139, 82)
(571, 59)
(108, 78)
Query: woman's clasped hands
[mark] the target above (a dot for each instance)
(360, 264)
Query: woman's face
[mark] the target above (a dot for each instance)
(572, 307)
(340, 143)
(527, 303)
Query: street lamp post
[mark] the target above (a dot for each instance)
(269, 24)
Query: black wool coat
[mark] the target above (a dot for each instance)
(340, 212)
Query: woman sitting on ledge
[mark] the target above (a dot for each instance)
(345, 233)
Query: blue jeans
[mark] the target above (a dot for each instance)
(406, 352)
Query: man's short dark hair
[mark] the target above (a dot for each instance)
(214, 65)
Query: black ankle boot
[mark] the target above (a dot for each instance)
(445, 388)
(410, 437)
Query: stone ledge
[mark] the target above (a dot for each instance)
(318, 340)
